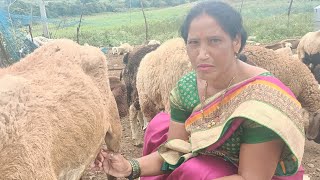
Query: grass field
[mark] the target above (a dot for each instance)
(265, 19)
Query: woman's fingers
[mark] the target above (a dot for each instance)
(111, 155)
(99, 159)
(114, 157)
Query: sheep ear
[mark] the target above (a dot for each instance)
(125, 58)
(314, 125)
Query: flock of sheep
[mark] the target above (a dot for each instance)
(58, 105)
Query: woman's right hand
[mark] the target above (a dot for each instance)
(112, 163)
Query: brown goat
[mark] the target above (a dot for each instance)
(132, 62)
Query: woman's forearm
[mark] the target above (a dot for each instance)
(150, 165)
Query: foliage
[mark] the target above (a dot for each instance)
(72, 8)
(88, 1)
(267, 21)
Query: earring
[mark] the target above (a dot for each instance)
(236, 55)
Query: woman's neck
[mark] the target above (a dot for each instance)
(227, 79)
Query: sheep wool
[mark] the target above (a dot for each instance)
(316, 72)
(120, 94)
(293, 74)
(158, 73)
(56, 110)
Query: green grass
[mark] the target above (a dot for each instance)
(265, 19)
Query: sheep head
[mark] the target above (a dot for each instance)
(287, 44)
(312, 130)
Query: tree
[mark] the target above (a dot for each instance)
(159, 3)
(132, 3)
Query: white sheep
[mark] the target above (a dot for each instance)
(39, 40)
(56, 109)
(122, 49)
(158, 73)
(114, 50)
(154, 42)
(286, 51)
(294, 43)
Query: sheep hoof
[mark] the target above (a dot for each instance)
(145, 126)
(317, 139)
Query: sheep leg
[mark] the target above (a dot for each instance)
(134, 124)
(111, 177)
(313, 129)
(113, 138)
(145, 122)
(148, 108)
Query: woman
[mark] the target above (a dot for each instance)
(228, 120)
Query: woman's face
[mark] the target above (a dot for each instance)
(210, 49)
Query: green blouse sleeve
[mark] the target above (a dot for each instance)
(254, 133)
(178, 112)
(184, 97)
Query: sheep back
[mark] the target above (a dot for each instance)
(158, 73)
(132, 61)
(292, 73)
(56, 110)
(126, 47)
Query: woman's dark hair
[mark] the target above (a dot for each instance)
(228, 18)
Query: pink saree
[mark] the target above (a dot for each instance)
(209, 139)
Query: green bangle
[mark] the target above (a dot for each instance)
(136, 172)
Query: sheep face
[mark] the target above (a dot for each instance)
(311, 59)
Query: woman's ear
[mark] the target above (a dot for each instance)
(237, 44)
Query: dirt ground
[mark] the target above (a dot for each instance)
(311, 159)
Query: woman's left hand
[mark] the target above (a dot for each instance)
(112, 163)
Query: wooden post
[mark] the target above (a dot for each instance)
(4, 58)
(44, 18)
(145, 20)
(241, 6)
(78, 28)
(289, 11)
